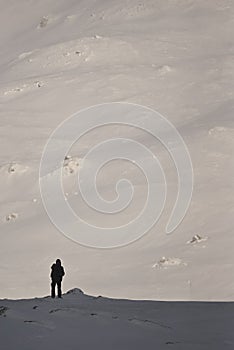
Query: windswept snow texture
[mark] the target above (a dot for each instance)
(175, 56)
(79, 321)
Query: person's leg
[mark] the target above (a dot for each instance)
(53, 289)
(59, 289)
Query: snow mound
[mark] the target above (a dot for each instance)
(168, 262)
(75, 291)
(55, 60)
(83, 323)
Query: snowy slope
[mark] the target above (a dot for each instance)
(177, 57)
(81, 321)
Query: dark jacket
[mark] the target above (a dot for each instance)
(57, 272)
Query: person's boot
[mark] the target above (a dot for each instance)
(52, 290)
(59, 291)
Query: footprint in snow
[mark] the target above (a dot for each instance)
(168, 262)
(197, 239)
(43, 22)
(3, 311)
(11, 217)
(27, 86)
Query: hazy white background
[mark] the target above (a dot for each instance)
(177, 57)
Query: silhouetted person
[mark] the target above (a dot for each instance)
(57, 273)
